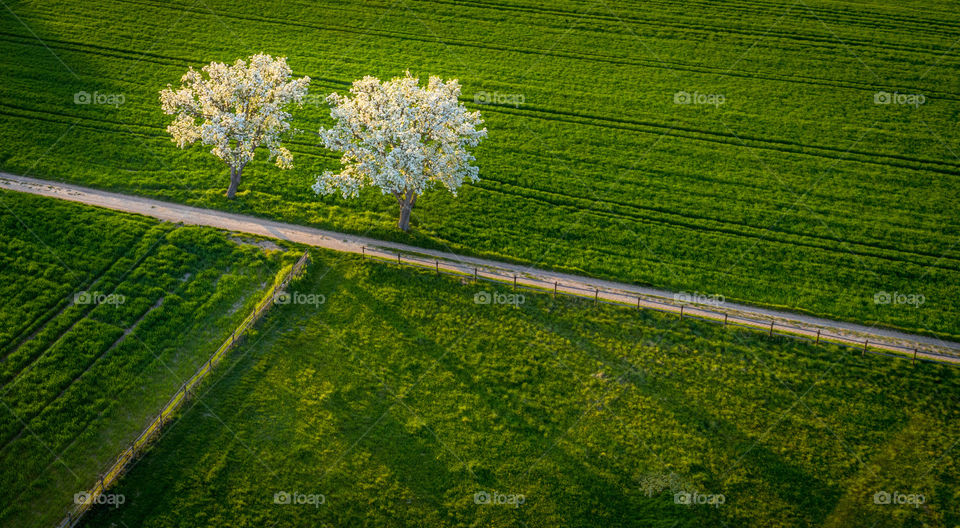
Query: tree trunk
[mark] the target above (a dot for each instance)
(404, 222)
(406, 205)
(234, 182)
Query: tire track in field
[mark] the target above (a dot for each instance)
(688, 225)
(635, 217)
(119, 53)
(743, 141)
(8, 380)
(180, 61)
(636, 125)
(838, 14)
(17, 340)
(762, 235)
(44, 319)
(50, 401)
(637, 213)
(821, 40)
(130, 55)
(418, 37)
(770, 10)
(709, 186)
(119, 127)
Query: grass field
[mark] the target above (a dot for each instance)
(798, 191)
(400, 399)
(104, 316)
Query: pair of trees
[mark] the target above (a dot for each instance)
(396, 135)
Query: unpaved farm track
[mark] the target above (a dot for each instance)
(926, 347)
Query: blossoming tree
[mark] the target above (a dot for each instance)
(402, 138)
(235, 109)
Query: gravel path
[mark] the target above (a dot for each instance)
(732, 313)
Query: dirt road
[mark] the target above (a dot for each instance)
(784, 322)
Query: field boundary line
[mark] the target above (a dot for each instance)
(520, 282)
(186, 390)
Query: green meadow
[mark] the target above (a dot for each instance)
(799, 155)
(105, 316)
(399, 401)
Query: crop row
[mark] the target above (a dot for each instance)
(81, 388)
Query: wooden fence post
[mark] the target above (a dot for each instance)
(363, 252)
(681, 311)
(818, 336)
(554, 289)
(438, 266)
(638, 303)
(596, 297)
(725, 320)
(166, 413)
(865, 341)
(474, 275)
(771, 328)
(514, 282)
(398, 260)
(914, 356)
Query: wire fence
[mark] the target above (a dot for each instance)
(477, 274)
(681, 309)
(86, 500)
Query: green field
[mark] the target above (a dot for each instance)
(399, 399)
(105, 315)
(799, 191)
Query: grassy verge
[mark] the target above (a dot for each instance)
(399, 401)
(109, 328)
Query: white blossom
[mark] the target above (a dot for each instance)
(400, 137)
(235, 109)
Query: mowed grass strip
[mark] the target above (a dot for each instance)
(107, 330)
(799, 191)
(400, 401)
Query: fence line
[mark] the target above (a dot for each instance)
(183, 393)
(772, 327)
(476, 274)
